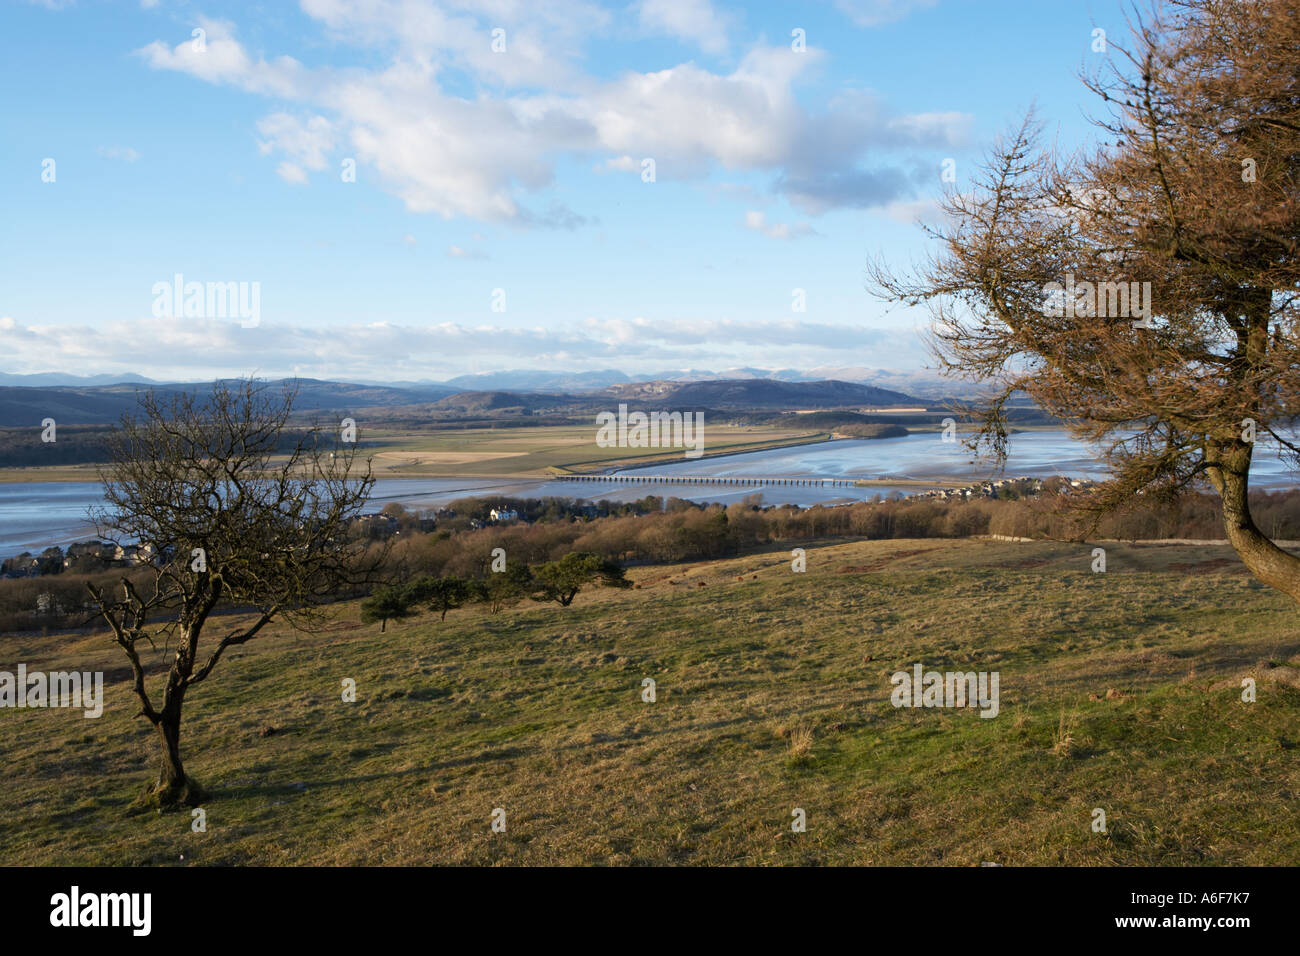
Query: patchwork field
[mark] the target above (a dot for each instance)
(535, 452)
(1119, 691)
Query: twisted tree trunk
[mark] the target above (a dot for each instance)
(173, 786)
(1229, 472)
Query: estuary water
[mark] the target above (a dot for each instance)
(35, 515)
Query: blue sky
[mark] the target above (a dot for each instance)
(477, 170)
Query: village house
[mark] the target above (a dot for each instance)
(377, 525)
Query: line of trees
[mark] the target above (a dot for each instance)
(685, 531)
(72, 445)
(558, 581)
(656, 531)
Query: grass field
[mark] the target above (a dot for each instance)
(1119, 691)
(536, 452)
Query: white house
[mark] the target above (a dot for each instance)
(503, 514)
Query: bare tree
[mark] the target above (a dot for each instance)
(1144, 290)
(236, 514)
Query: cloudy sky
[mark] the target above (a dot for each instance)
(423, 189)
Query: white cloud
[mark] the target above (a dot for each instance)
(188, 349)
(695, 21)
(124, 153)
(459, 252)
(292, 173)
(949, 129)
(912, 211)
(542, 40)
(478, 155)
(873, 13)
(622, 164)
(757, 221)
(309, 143)
(686, 117)
(220, 58)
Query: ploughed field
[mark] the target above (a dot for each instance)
(1119, 691)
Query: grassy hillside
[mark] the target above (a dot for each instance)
(1118, 690)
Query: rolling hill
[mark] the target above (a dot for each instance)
(22, 406)
(1118, 691)
(769, 393)
(27, 406)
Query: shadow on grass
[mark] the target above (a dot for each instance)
(253, 791)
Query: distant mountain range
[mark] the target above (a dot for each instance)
(533, 380)
(59, 378)
(911, 382)
(753, 394)
(922, 382)
(763, 393)
(86, 401)
(104, 404)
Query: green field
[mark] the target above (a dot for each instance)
(1119, 691)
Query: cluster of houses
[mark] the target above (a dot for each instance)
(381, 524)
(373, 525)
(1008, 488)
(81, 557)
(495, 516)
(88, 557)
